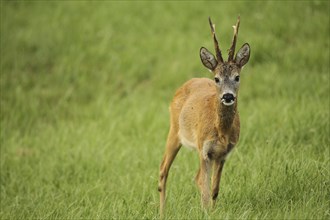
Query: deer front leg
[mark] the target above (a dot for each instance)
(203, 180)
(217, 171)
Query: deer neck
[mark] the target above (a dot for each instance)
(226, 115)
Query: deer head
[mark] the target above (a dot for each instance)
(226, 73)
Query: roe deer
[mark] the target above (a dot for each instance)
(204, 116)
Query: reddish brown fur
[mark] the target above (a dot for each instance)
(203, 118)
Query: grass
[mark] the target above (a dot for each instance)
(85, 89)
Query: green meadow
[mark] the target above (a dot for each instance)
(85, 90)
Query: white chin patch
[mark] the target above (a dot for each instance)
(227, 103)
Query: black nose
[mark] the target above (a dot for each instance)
(228, 97)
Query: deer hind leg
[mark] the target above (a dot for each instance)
(217, 171)
(203, 180)
(172, 148)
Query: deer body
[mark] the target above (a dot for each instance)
(202, 123)
(204, 116)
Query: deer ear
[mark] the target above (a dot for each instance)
(208, 59)
(243, 55)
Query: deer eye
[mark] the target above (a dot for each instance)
(237, 78)
(217, 80)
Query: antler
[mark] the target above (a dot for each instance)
(233, 45)
(216, 45)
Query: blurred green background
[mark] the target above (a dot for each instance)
(85, 89)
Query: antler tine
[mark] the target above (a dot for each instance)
(216, 44)
(233, 45)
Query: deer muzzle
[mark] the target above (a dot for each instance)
(228, 99)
